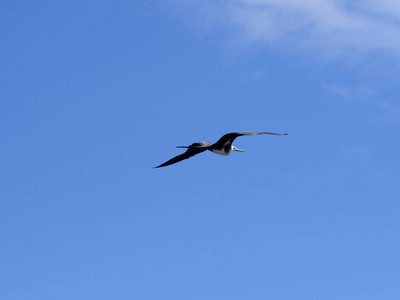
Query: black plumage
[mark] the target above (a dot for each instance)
(223, 146)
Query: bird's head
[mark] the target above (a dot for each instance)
(236, 149)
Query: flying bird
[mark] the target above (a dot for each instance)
(223, 146)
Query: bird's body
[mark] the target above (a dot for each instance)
(222, 151)
(222, 147)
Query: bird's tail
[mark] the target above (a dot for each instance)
(182, 146)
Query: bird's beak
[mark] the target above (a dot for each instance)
(240, 150)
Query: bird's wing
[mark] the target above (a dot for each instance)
(257, 133)
(191, 151)
(228, 138)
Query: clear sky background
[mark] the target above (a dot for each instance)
(96, 93)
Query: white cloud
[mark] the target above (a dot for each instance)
(350, 92)
(361, 152)
(391, 111)
(329, 28)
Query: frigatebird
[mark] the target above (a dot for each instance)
(223, 146)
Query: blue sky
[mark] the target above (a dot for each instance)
(96, 93)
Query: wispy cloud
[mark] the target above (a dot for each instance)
(391, 111)
(329, 28)
(350, 92)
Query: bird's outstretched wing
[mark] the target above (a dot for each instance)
(228, 138)
(192, 150)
